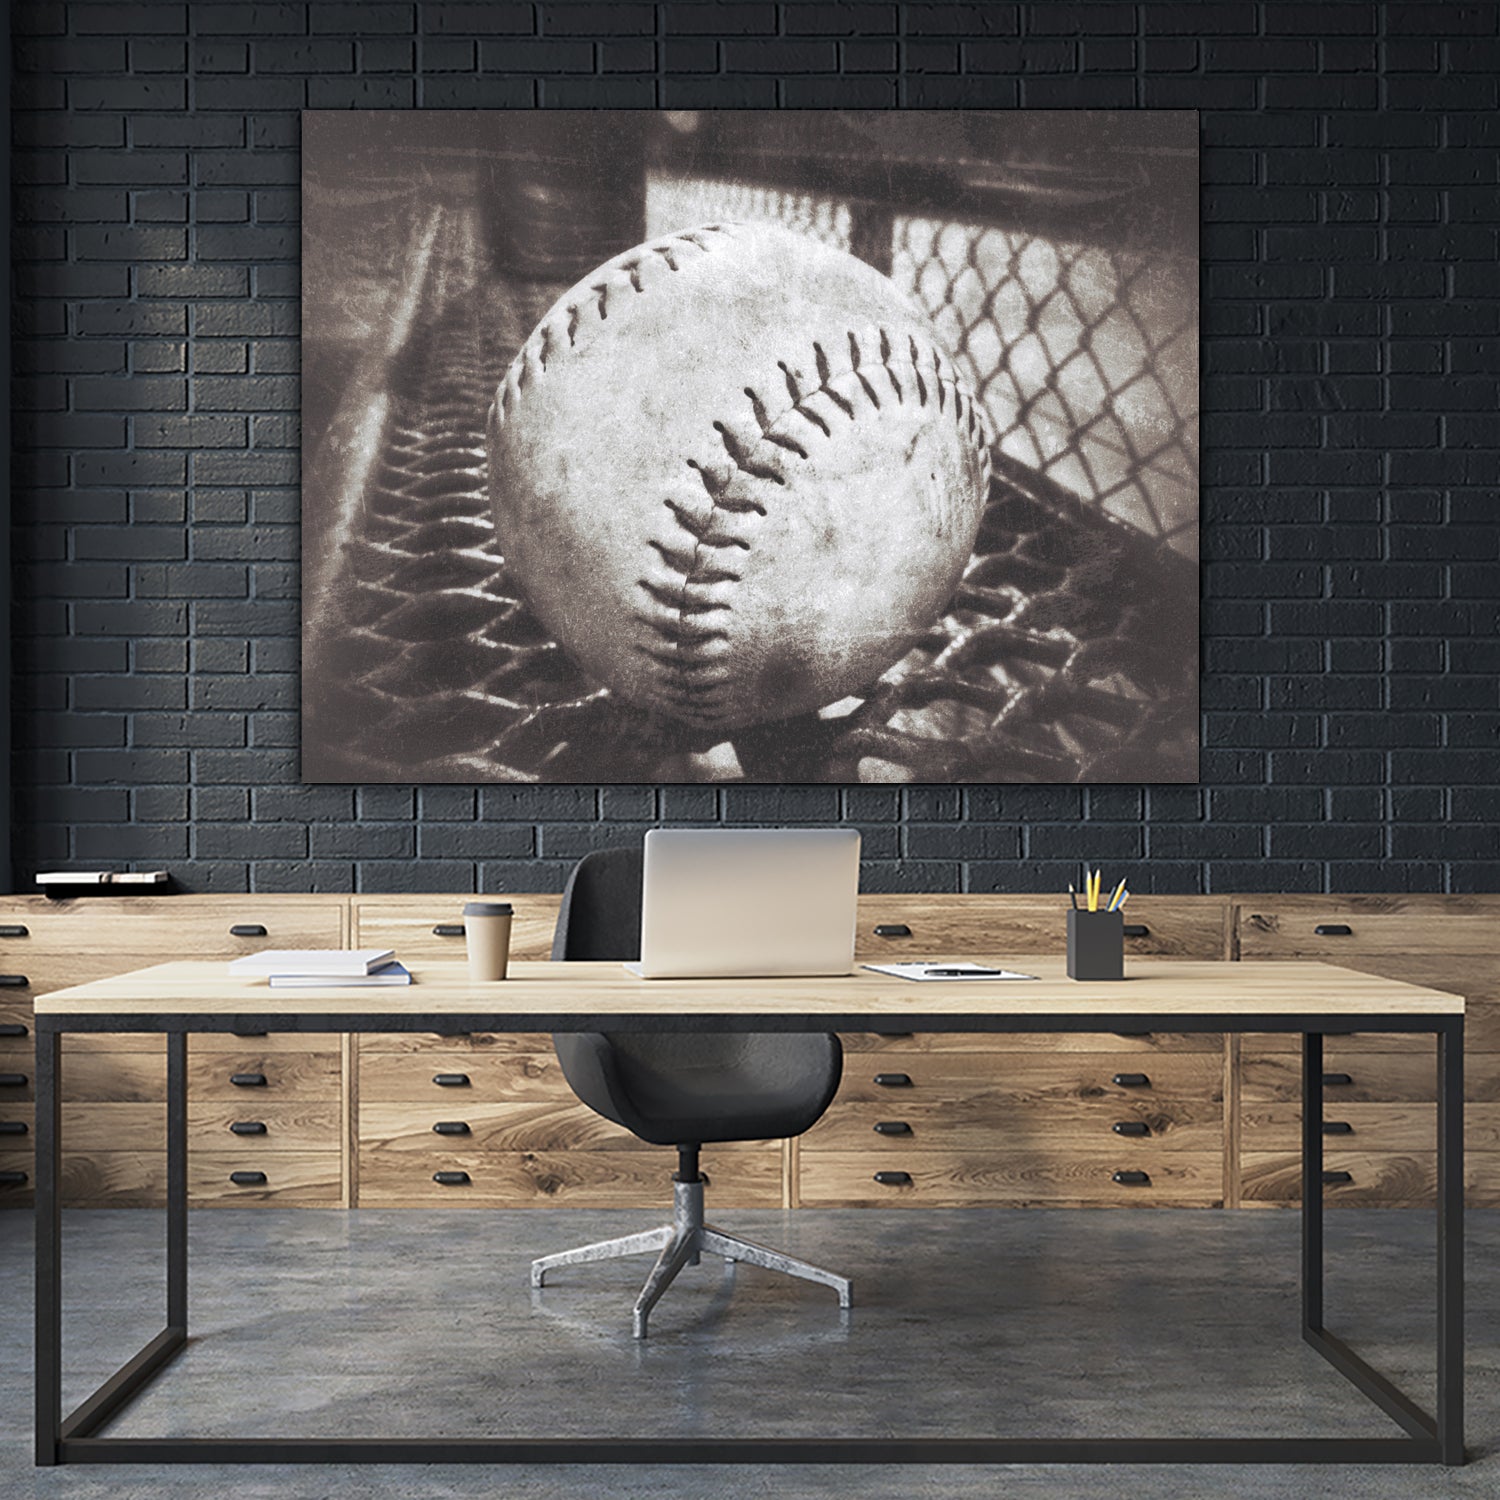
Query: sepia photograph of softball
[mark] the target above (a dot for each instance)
(806, 446)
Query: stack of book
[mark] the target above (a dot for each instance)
(296, 968)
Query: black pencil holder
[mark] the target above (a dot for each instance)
(1096, 945)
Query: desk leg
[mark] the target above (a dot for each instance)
(48, 1249)
(1450, 1243)
(177, 1251)
(1312, 1181)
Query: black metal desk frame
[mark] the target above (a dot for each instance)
(1427, 1438)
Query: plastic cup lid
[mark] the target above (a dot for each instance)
(487, 908)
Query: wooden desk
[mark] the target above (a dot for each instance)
(1308, 999)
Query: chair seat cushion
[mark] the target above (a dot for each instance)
(675, 1088)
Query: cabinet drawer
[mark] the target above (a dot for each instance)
(996, 1081)
(972, 1179)
(288, 1075)
(943, 926)
(557, 1126)
(1371, 1127)
(1348, 1044)
(283, 1043)
(1374, 1077)
(524, 1077)
(105, 1075)
(17, 1178)
(1145, 1043)
(114, 1126)
(288, 1125)
(574, 1179)
(109, 1043)
(15, 1010)
(1376, 1178)
(1268, 930)
(114, 1179)
(481, 1042)
(406, 924)
(981, 1123)
(293, 1178)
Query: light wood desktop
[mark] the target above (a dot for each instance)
(556, 997)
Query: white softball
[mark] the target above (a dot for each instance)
(735, 475)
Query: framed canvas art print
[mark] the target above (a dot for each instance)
(775, 447)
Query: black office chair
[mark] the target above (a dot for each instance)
(680, 1089)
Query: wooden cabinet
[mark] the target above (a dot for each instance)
(488, 1120)
(114, 1087)
(948, 1129)
(1018, 1118)
(1380, 1089)
(987, 1119)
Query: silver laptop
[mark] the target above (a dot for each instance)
(748, 904)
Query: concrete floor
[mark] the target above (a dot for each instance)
(967, 1322)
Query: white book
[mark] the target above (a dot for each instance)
(345, 962)
(392, 973)
(102, 877)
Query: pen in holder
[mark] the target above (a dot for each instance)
(1096, 945)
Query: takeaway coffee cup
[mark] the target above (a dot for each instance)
(487, 936)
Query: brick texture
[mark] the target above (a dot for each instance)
(1351, 684)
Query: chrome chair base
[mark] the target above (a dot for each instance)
(680, 1244)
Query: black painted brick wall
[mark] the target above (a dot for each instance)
(1352, 340)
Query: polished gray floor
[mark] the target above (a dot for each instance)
(967, 1322)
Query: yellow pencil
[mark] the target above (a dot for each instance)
(1094, 880)
(1115, 897)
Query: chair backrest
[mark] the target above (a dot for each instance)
(614, 1073)
(600, 916)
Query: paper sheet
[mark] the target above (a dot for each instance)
(924, 973)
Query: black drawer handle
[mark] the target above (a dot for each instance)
(1131, 1080)
(892, 929)
(12, 1080)
(13, 1028)
(14, 929)
(450, 1179)
(1333, 929)
(1131, 1127)
(14, 1127)
(451, 1127)
(1133, 1034)
(892, 1127)
(1136, 929)
(1337, 1127)
(247, 1033)
(248, 1080)
(451, 1080)
(893, 1080)
(895, 1033)
(248, 1179)
(13, 1179)
(893, 1179)
(1334, 1178)
(1133, 1179)
(13, 981)
(1336, 1080)
(247, 929)
(248, 1127)
(448, 929)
